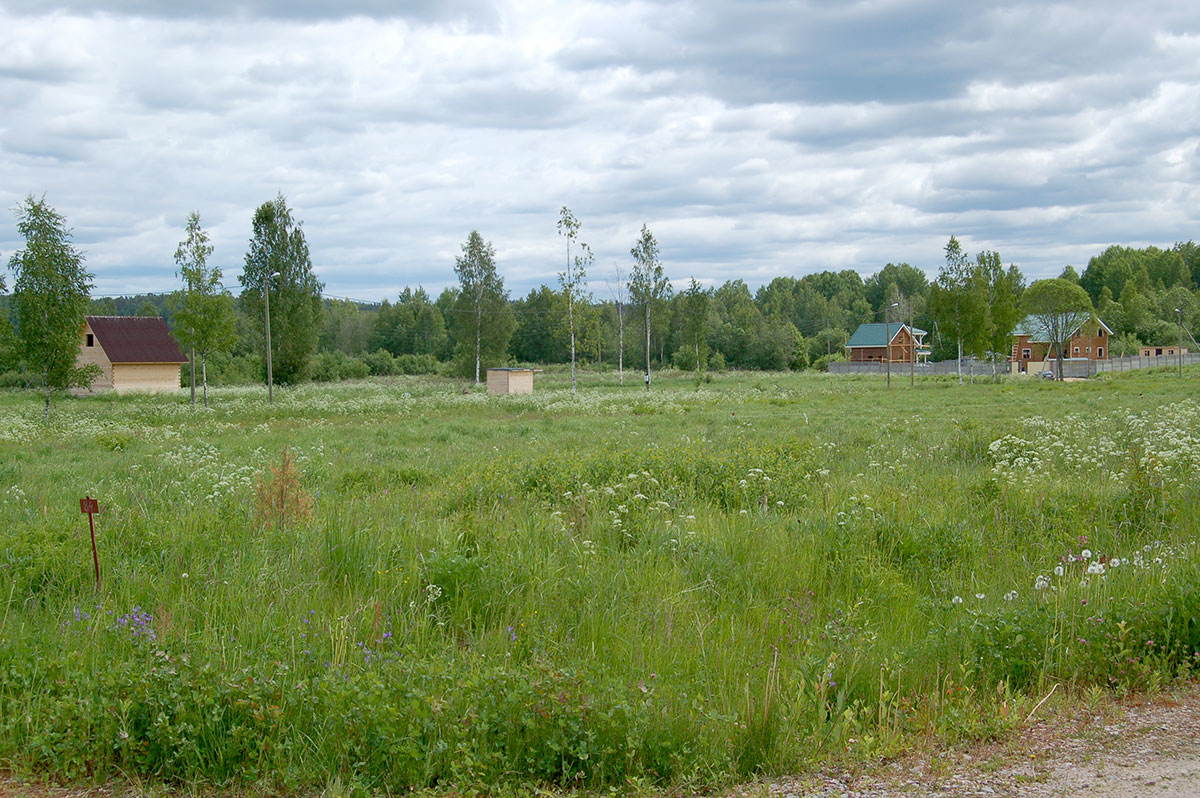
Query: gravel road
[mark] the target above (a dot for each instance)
(1148, 746)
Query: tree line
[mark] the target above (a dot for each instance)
(630, 318)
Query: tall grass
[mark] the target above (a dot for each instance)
(400, 586)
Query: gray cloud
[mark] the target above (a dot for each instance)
(756, 138)
(474, 13)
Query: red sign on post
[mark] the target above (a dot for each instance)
(89, 505)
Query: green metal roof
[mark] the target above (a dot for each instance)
(1027, 327)
(876, 334)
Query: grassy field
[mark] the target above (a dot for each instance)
(398, 585)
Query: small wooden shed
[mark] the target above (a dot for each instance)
(506, 381)
(134, 353)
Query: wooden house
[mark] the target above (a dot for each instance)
(1032, 352)
(871, 344)
(504, 381)
(1161, 351)
(134, 353)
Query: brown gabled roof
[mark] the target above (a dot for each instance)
(135, 339)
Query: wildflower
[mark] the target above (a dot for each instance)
(1011, 595)
(1086, 554)
(981, 596)
(1041, 583)
(956, 600)
(1096, 568)
(1058, 570)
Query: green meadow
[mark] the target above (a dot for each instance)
(398, 585)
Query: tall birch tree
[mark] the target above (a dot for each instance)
(573, 279)
(278, 260)
(204, 316)
(620, 299)
(483, 319)
(1003, 289)
(648, 284)
(50, 291)
(956, 301)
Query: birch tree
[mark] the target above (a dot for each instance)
(956, 301)
(1003, 289)
(483, 320)
(573, 279)
(50, 291)
(204, 317)
(695, 320)
(620, 299)
(278, 260)
(648, 285)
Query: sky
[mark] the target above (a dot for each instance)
(755, 138)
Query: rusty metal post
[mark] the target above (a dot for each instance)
(89, 505)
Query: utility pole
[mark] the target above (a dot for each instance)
(267, 324)
(1179, 314)
(912, 348)
(887, 334)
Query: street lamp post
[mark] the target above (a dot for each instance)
(267, 325)
(887, 335)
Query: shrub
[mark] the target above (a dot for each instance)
(279, 497)
(418, 364)
(380, 363)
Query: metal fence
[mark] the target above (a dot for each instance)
(978, 368)
(1132, 363)
(971, 367)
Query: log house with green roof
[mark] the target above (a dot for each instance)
(870, 344)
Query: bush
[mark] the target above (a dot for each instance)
(355, 369)
(381, 363)
(822, 363)
(684, 359)
(226, 369)
(15, 379)
(418, 364)
(327, 367)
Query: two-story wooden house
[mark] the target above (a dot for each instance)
(1031, 352)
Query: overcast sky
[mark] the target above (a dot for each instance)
(756, 138)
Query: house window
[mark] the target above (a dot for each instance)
(1026, 354)
(1088, 350)
(1077, 350)
(1100, 352)
(91, 339)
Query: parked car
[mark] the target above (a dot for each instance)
(1046, 375)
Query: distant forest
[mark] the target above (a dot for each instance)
(790, 323)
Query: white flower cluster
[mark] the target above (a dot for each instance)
(1168, 437)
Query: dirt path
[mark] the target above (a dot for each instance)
(1142, 747)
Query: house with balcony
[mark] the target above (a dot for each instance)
(880, 343)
